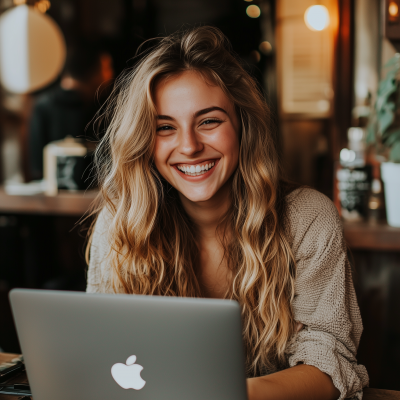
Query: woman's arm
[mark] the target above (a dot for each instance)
(299, 382)
(325, 301)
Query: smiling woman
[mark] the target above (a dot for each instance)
(193, 204)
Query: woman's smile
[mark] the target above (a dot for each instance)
(197, 171)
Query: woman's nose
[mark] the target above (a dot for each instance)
(189, 143)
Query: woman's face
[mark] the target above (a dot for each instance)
(197, 141)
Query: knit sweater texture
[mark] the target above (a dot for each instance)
(325, 301)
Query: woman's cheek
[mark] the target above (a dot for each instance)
(161, 154)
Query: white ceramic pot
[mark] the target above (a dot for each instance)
(391, 178)
(68, 147)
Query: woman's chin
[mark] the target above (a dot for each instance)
(215, 191)
(198, 197)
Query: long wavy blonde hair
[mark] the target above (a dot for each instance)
(153, 246)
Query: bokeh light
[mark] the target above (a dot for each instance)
(317, 18)
(393, 9)
(253, 11)
(347, 156)
(43, 5)
(265, 47)
(256, 56)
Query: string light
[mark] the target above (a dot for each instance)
(265, 47)
(253, 11)
(317, 18)
(42, 5)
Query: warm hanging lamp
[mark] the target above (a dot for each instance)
(32, 49)
(317, 18)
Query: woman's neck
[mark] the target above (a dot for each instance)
(213, 274)
(206, 215)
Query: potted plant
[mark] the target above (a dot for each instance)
(384, 132)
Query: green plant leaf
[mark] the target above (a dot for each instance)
(371, 131)
(394, 61)
(391, 137)
(395, 153)
(386, 117)
(382, 120)
(390, 75)
(372, 128)
(386, 88)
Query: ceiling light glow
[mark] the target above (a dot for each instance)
(393, 9)
(317, 18)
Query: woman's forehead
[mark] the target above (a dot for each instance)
(188, 92)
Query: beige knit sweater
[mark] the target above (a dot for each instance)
(325, 301)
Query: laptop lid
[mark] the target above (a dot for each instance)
(102, 346)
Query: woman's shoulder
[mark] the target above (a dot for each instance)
(309, 202)
(311, 217)
(103, 221)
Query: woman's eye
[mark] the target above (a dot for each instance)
(164, 128)
(210, 121)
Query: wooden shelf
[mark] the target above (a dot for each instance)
(65, 203)
(359, 235)
(374, 237)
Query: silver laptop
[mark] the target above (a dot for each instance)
(114, 347)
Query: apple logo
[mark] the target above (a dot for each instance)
(128, 375)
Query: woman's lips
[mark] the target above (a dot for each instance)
(197, 172)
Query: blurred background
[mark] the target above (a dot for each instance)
(329, 71)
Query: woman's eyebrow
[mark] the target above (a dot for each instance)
(167, 117)
(196, 114)
(209, 109)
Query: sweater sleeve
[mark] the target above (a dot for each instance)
(325, 301)
(98, 276)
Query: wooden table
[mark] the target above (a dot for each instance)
(369, 394)
(371, 236)
(65, 203)
(359, 235)
(21, 378)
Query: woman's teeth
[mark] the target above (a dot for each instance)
(195, 170)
